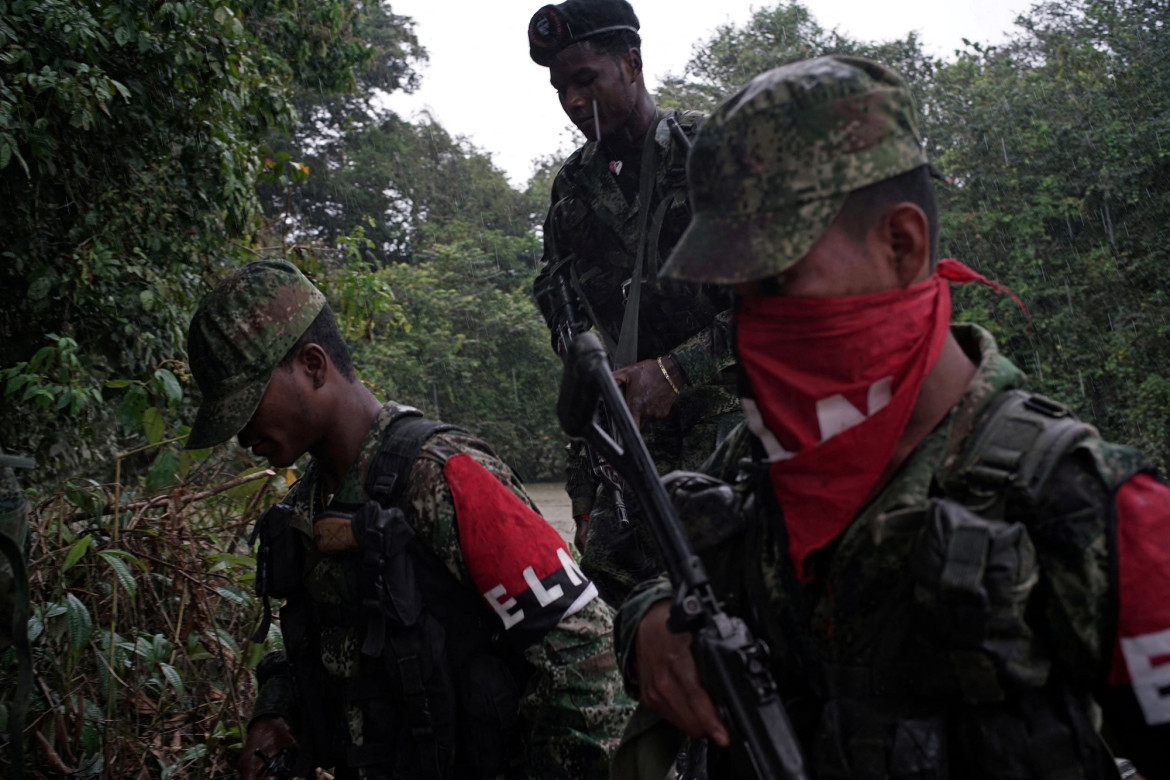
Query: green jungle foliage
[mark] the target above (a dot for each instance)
(146, 149)
(1059, 158)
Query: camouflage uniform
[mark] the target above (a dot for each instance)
(591, 234)
(859, 654)
(574, 705)
(374, 692)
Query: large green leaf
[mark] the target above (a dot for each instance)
(115, 558)
(78, 620)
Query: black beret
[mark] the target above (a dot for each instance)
(556, 27)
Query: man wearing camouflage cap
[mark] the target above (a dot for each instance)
(619, 204)
(434, 625)
(955, 576)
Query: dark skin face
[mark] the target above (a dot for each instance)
(309, 406)
(582, 78)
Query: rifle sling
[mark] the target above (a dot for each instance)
(627, 348)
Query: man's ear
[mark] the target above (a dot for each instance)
(907, 232)
(632, 64)
(315, 363)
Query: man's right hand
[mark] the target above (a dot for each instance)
(270, 735)
(669, 680)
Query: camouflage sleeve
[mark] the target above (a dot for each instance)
(708, 352)
(625, 626)
(575, 699)
(428, 496)
(580, 481)
(544, 287)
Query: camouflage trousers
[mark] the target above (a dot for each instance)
(620, 555)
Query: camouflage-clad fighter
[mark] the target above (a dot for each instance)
(619, 204)
(435, 625)
(957, 578)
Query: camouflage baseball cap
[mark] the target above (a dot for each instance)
(239, 333)
(554, 28)
(772, 167)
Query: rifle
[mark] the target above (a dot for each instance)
(608, 475)
(732, 664)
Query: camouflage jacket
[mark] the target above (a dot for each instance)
(591, 235)
(889, 666)
(573, 704)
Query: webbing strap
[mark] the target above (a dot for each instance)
(401, 441)
(386, 481)
(627, 348)
(1015, 447)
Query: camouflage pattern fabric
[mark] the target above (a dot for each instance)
(773, 165)
(239, 333)
(575, 707)
(591, 234)
(851, 649)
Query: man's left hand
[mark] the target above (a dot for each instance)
(648, 395)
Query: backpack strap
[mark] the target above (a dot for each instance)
(389, 586)
(1012, 452)
(401, 442)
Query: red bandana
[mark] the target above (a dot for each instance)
(834, 381)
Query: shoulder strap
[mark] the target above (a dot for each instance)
(1013, 450)
(627, 347)
(401, 442)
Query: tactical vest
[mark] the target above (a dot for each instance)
(437, 690)
(915, 652)
(593, 244)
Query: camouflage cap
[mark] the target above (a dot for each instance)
(556, 27)
(771, 168)
(239, 333)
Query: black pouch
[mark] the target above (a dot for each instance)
(280, 559)
(973, 578)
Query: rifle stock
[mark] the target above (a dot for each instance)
(732, 664)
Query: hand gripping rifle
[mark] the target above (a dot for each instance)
(732, 664)
(609, 476)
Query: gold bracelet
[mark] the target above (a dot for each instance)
(666, 376)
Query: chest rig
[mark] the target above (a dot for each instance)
(434, 694)
(919, 639)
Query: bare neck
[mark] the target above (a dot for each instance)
(632, 134)
(942, 388)
(352, 413)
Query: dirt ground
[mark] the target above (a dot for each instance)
(554, 505)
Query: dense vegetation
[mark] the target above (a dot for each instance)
(148, 148)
